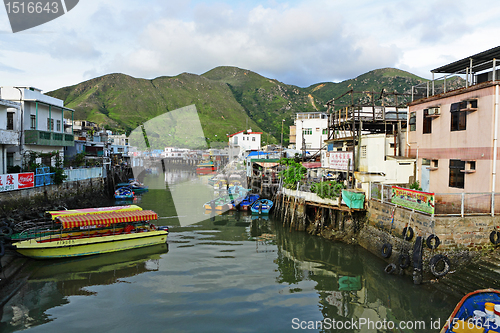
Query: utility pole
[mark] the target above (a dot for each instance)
(281, 148)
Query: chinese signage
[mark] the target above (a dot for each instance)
(16, 181)
(421, 201)
(339, 160)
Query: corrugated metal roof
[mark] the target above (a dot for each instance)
(480, 62)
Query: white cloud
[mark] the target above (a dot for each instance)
(297, 42)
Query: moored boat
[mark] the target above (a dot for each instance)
(124, 193)
(248, 201)
(205, 168)
(261, 206)
(94, 234)
(475, 313)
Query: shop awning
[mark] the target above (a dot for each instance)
(106, 218)
(99, 210)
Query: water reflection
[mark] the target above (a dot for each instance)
(351, 284)
(52, 282)
(230, 272)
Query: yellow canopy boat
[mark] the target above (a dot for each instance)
(87, 211)
(107, 232)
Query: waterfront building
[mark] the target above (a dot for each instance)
(246, 141)
(309, 131)
(9, 132)
(39, 119)
(454, 125)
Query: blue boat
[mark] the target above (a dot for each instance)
(124, 193)
(248, 201)
(471, 313)
(261, 206)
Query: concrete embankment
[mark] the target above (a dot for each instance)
(419, 245)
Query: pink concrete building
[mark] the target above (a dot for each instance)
(454, 127)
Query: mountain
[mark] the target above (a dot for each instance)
(228, 99)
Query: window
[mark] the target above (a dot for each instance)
(427, 123)
(33, 121)
(457, 176)
(10, 121)
(413, 121)
(50, 124)
(363, 151)
(458, 118)
(59, 126)
(253, 138)
(325, 131)
(435, 163)
(307, 131)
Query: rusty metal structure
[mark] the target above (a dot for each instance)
(355, 113)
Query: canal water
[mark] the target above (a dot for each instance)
(227, 273)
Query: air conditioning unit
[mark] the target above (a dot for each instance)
(434, 111)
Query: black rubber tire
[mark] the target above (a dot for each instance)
(429, 244)
(389, 269)
(404, 260)
(495, 237)
(5, 231)
(2, 249)
(386, 250)
(433, 265)
(408, 233)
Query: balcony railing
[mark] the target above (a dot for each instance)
(44, 138)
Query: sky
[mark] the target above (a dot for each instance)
(298, 42)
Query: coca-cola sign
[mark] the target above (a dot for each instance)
(26, 180)
(16, 181)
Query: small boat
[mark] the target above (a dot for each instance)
(205, 168)
(248, 201)
(136, 186)
(124, 193)
(95, 234)
(261, 206)
(471, 313)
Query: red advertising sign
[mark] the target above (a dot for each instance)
(16, 181)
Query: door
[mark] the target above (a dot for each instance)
(425, 184)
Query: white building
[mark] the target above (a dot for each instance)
(246, 141)
(9, 133)
(39, 120)
(378, 161)
(177, 153)
(311, 130)
(118, 144)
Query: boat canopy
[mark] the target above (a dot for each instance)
(87, 211)
(106, 218)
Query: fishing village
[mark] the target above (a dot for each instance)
(382, 188)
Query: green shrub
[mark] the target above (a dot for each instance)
(327, 189)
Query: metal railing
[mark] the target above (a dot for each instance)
(43, 176)
(449, 204)
(84, 173)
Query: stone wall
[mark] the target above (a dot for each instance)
(454, 232)
(30, 203)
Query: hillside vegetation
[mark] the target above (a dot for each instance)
(228, 99)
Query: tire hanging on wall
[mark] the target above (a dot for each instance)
(408, 233)
(434, 262)
(495, 237)
(389, 269)
(5, 231)
(386, 250)
(429, 240)
(404, 260)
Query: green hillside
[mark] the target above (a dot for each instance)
(228, 99)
